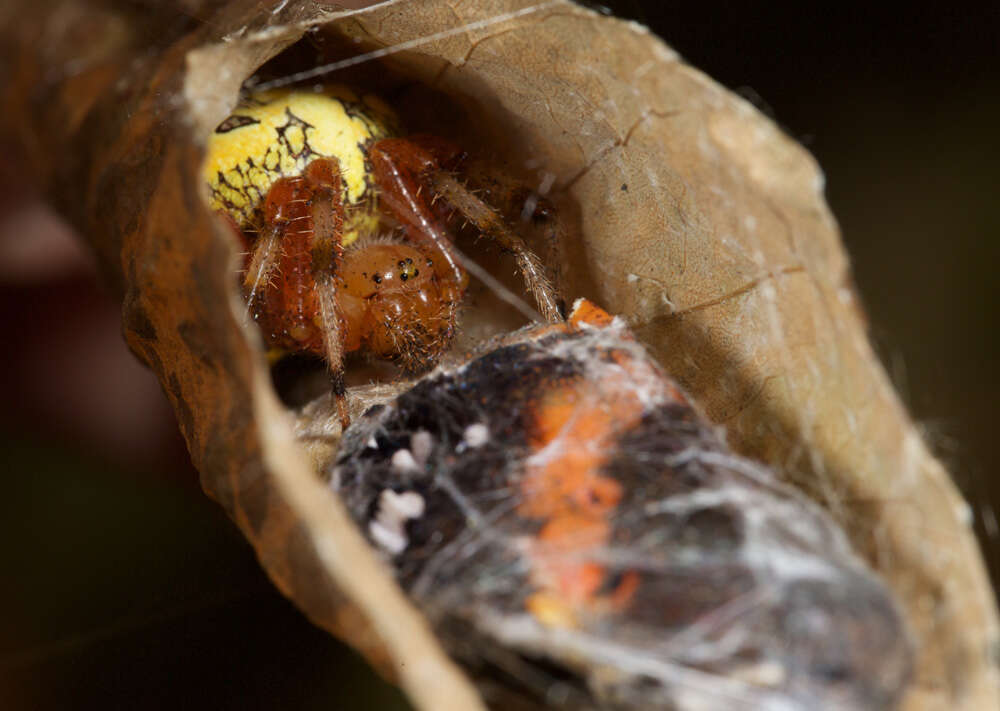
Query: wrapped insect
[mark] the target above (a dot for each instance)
(582, 538)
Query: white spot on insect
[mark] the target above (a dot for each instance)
(767, 674)
(392, 540)
(394, 509)
(371, 444)
(404, 505)
(476, 435)
(421, 445)
(403, 461)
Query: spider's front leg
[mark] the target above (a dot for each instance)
(404, 168)
(290, 275)
(326, 256)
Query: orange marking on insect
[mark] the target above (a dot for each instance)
(561, 541)
(575, 425)
(584, 313)
(587, 312)
(550, 610)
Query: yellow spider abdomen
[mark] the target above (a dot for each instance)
(274, 134)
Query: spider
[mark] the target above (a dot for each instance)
(307, 179)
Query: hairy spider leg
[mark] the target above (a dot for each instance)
(397, 171)
(516, 202)
(542, 213)
(528, 205)
(326, 256)
(290, 275)
(262, 260)
(405, 166)
(490, 223)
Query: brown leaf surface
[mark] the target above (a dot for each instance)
(691, 214)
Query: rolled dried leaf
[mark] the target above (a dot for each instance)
(687, 212)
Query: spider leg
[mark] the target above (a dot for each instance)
(554, 237)
(531, 206)
(291, 271)
(326, 256)
(513, 199)
(260, 260)
(405, 165)
(263, 262)
(396, 169)
(490, 223)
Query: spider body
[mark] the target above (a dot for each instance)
(308, 179)
(398, 303)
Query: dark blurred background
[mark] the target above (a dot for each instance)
(124, 586)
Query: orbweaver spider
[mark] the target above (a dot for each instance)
(306, 178)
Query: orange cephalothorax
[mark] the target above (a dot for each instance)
(398, 302)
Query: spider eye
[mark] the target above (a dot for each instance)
(407, 270)
(381, 268)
